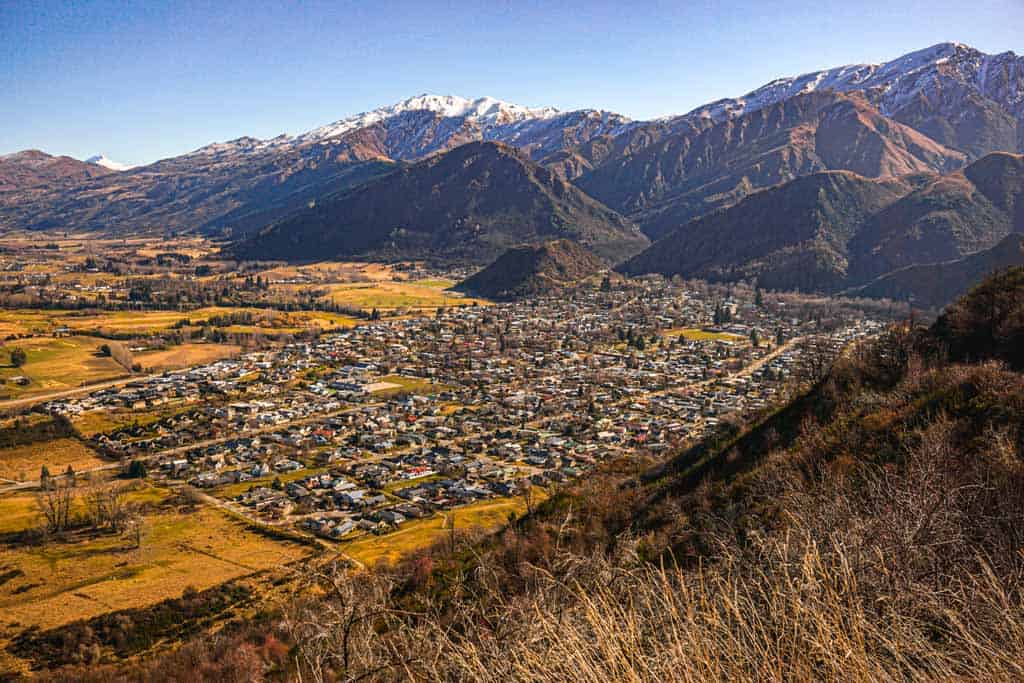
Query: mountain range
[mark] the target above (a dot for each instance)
(468, 205)
(836, 229)
(899, 130)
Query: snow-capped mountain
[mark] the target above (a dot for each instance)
(426, 124)
(892, 83)
(956, 94)
(962, 102)
(485, 112)
(101, 160)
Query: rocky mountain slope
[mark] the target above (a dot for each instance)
(835, 230)
(533, 270)
(933, 285)
(955, 94)
(468, 205)
(33, 170)
(694, 171)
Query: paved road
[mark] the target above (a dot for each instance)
(29, 401)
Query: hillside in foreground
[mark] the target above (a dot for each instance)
(869, 529)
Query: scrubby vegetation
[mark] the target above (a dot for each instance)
(869, 530)
(128, 632)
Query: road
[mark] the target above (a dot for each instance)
(29, 401)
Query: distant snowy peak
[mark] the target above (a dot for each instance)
(892, 84)
(100, 160)
(485, 112)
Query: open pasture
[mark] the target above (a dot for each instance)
(24, 463)
(55, 364)
(57, 583)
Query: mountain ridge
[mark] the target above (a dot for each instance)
(929, 110)
(467, 205)
(835, 230)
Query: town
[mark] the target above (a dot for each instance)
(358, 431)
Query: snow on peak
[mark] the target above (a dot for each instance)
(103, 161)
(900, 78)
(486, 111)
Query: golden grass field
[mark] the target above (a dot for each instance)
(23, 463)
(65, 582)
(185, 355)
(412, 385)
(697, 334)
(55, 364)
(33, 321)
(387, 295)
(420, 533)
(334, 271)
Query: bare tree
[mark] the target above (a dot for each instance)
(106, 506)
(336, 632)
(55, 503)
(526, 491)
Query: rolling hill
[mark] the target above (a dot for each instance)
(533, 270)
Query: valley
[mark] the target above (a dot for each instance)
(364, 441)
(462, 389)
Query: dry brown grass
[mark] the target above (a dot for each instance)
(186, 355)
(24, 463)
(62, 582)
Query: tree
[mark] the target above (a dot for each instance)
(107, 507)
(527, 493)
(755, 337)
(18, 357)
(44, 477)
(758, 298)
(137, 469)
(55, 504)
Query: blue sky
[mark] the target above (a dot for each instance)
(140, 81)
